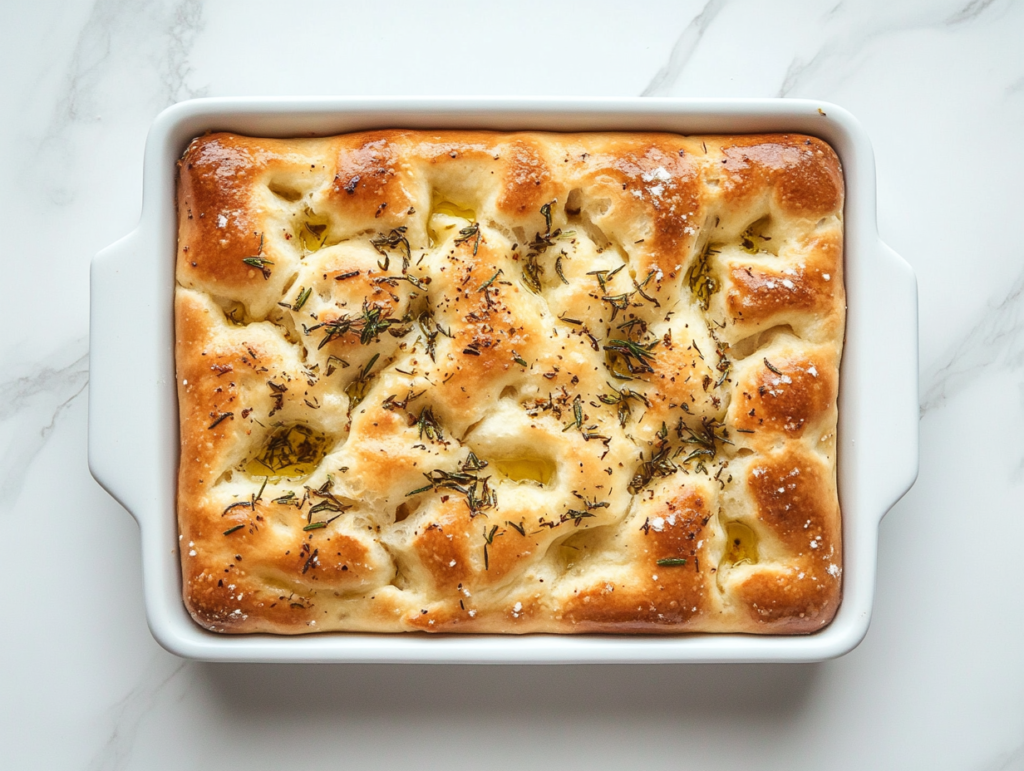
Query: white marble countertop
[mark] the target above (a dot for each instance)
(939, 681)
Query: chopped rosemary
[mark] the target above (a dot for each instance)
(328, 502)
(357, 389)
(671, 562)
(577, 414)
(236, 505)
(558, 269)
(392, 402)
(303, 296)
(545, 210)
(531, 273)
(575, 516)
(621, 302)
(429, 426)
(636, 356)
(622, 397)
(220, 419)
(258, 261)
(318, 232)
(425, 321)
(659, 465)
(753, 234)
(370, 324)
(467, 233)
(768, 364)
(491, 280)
(231, 530)
(331, 369)
(466, 481)
(707, 438)
(702, 283)
(290, 449)
(391, 241)
(604, 276)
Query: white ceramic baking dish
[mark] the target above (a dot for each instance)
(133, 416)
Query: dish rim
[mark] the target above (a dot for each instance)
(139, 391)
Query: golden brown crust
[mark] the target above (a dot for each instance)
(481, 382)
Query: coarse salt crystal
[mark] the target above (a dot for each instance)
(658, 174)
(222, 221)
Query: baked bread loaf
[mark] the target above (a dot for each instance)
(526, 382)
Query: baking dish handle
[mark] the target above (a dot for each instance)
(126, 370)
(895, 309)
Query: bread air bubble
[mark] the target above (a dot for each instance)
(524, 469)
(741, 544)
(446, 216)
(290, 452)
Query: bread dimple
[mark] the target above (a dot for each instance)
(481, 382)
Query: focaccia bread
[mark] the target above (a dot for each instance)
(527, 382)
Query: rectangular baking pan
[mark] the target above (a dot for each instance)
(133, 414)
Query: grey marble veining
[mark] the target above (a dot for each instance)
(30, 407)
(849, 33)
(683, 49)
(117, 63)
(937, 682)
(996, 341)
(127, 715)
